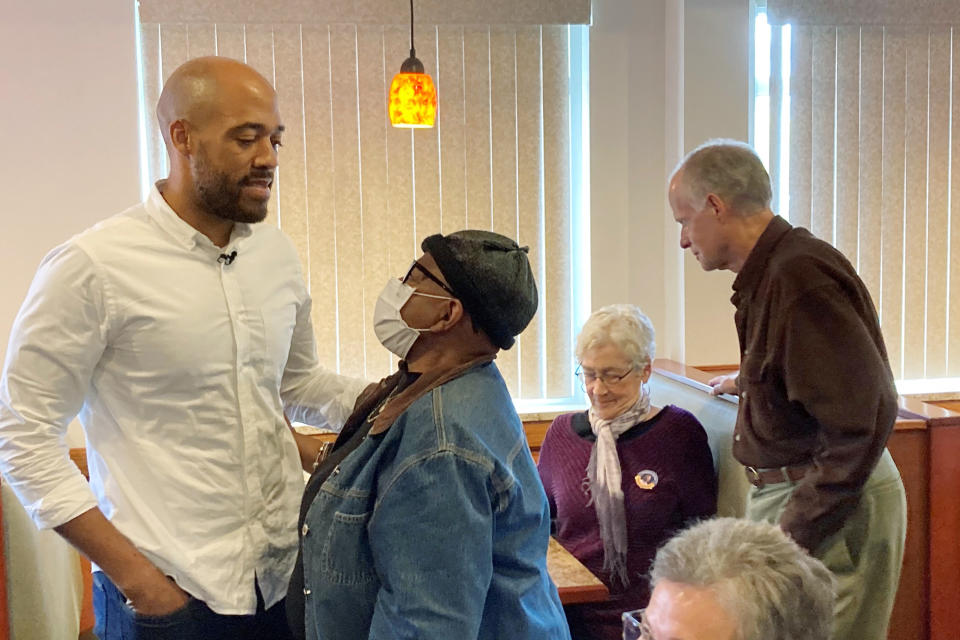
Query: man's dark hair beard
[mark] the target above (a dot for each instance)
(219, 197)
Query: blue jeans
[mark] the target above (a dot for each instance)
(196, 621)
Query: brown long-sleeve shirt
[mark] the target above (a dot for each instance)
(815, 384)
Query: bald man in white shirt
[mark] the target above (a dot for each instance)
(179, 332)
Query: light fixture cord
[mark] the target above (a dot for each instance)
(413, 53)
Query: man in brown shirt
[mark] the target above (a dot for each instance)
(817, 399)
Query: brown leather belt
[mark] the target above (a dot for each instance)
(762, 477)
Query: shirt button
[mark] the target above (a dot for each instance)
(305, 529)
(307, 592)
(335, 471)
(737, 437)
(744, 395)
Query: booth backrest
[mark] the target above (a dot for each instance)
(718, 417)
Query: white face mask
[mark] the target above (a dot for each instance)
(392, 330)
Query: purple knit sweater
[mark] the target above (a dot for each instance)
(682, 487)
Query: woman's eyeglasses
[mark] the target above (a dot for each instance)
(608, 378)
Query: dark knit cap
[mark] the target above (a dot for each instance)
(491, 277)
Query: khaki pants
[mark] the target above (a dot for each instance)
(865, 555)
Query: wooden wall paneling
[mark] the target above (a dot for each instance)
(909, 446)
(535, 431)
(944, 530)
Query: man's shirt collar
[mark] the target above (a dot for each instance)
(755, 264)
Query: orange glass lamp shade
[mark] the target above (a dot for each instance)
(413, 101)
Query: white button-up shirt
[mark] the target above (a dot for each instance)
(180, 368)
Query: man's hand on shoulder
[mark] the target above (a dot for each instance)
(724, 384)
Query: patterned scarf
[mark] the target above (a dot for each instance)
(606, 490)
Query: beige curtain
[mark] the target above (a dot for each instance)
(875, 161)
(357, 196)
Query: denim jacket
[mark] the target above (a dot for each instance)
(436, 528)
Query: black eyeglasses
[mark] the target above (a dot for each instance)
(422, 269)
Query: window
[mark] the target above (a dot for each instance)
(771, 104)
(860, 110)
(356, 195)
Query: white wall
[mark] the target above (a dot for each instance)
(665, 76)
(68, 108)
(627, 116)
(716, 105)
(69, 114)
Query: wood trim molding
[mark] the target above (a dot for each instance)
(929, 411)
(692, 376)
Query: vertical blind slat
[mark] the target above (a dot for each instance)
(173, 48)
(953, 295)
(374, 191)
(871, 159)
(346, 188)
(173, 53)
(152, 85)
(556, 178)
(426, 151)
(476, 74)
(823, 119)
(258, 45)
(503, 133)
(915, 202)
(938, 192)
(260, 56)
(230, 41)
(293, 197)
(453, 161)
(396, 45)
(848, 158)
(776, 104)
(530, 202)
(201, 40)
(801, 132)
(320, 194)
(892, 218)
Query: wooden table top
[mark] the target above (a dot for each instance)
(574, 581)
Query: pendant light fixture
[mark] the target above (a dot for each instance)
(413, 98)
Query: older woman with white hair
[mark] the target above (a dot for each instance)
(625, 475)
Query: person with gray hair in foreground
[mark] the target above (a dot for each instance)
(733, 579)
(817, 399)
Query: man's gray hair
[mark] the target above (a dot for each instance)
(730, 169)
(771, 586)
(625, 327)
